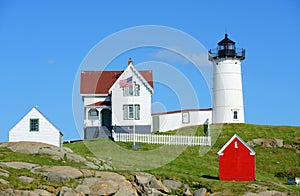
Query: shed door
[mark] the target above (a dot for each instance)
(155, 121)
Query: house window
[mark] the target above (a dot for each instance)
(132, 90)
(34, 124)
(93, 114)
(128, 91)
(235, 115)
(185, 117)
(131, 112)
(136, 89)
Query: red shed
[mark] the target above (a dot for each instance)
(236, 160)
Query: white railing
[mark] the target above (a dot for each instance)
(162, 139)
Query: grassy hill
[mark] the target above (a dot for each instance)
(273, 165)
(197, 166)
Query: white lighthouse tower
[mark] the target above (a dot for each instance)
(228, 106)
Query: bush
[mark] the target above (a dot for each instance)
(291, 172)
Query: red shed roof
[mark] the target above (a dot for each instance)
(252, 152)
(99, 82)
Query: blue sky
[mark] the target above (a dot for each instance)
(42, 44)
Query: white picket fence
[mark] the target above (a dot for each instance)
(162, 139)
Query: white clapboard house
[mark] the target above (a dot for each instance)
(118, 100)
(35, 127)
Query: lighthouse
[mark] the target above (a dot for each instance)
(228, 106)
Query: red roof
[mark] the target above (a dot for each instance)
(101, 103)
(99, 82)
(180, 111)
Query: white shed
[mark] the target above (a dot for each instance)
(35, 127)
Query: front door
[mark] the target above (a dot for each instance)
(106, 118)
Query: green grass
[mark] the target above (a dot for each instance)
(197, 166)
(198, 169)
(269, 161)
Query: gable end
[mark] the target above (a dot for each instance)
(235, 136)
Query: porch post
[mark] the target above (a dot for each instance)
(100, 116)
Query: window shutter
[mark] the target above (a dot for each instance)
(125, 112)
(137, 112)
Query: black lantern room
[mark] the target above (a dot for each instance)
(226, 48)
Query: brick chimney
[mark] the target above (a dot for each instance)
(130, 61)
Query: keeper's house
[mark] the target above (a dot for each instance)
(35, 127)
(118, 100)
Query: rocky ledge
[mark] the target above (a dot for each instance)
(93, 177)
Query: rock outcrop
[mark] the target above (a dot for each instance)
(86, 175)
(19, 165)
(266, 142)
(25, 179)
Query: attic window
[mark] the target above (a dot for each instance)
(128, 91)
(34, 124)
(136, 89)
(133, 90)
(236, 144)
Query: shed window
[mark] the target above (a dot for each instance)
(236, 144)
(34, 124)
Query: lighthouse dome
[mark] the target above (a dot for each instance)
(226, 48)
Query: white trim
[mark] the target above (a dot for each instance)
(144, 81)
(220, 153)
(98, 107)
